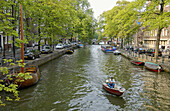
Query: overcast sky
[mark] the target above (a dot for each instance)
(99, 6)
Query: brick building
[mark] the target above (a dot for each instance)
(148, 38)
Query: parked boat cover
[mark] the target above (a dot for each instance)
(152, 65)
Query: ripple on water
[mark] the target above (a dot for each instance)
(74, 82)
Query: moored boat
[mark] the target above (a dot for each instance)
(108, 48)
(136, 62)
(23, 82)
(116, 52)
(70, 51)
(117, 90)
(153, 67)
(80, 45)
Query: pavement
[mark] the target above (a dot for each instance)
(9, 55)
(164, 60)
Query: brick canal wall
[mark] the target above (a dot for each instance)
(164, 62)
(39, 61)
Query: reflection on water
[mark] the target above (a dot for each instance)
(74, 82)
(118, 101)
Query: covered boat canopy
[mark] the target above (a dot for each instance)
(152, 65)
(108, 47)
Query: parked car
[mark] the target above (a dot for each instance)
(59, 46)
(66, 45)
(151, 52)
(74, 43)
(46, 50)
(32, 54)
(69, 45)
(139, 50)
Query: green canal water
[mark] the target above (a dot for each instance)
(74, 83)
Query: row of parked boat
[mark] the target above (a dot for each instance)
(148, 65)
(118, 90)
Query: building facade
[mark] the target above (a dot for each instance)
(148, 39)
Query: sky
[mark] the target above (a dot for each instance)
(99, 6)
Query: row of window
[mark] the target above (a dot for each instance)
(154, 33)
(162, 42)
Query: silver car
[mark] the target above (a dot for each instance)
(46, 50)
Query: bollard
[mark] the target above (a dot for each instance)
(146, 56)
(163, 59)
(156, 59)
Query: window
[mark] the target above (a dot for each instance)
(151, 33)
(155, 32)
(166, 32)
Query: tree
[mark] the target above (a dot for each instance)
(49, 19)
(100, 27)
(155, 17)
(84, 25)
(118, 24)
(149, 16)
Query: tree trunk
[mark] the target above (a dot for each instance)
(39, 33)
(13, 38)
(121, 43)
(157, 42)
(7, 43)
(159, 30)
(117, 40)
(4, 47)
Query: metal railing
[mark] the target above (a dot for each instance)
(164, 59)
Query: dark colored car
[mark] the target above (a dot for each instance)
(46, 50)
(151, 52)
(32, 54)
(139, 50)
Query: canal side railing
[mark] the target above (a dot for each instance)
(164, 61)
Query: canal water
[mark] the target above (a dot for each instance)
(74, 83)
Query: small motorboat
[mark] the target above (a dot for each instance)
(153, 67)
(70, 51)
(116, 52)
(117, 90)
(108, 48)
(136, 62)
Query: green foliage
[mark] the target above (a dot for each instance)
(121, 20)
(43, 19)
(9, 82)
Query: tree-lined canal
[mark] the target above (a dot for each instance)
(74, 82)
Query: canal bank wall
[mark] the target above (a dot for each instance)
(164, 62)
(39, 61)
